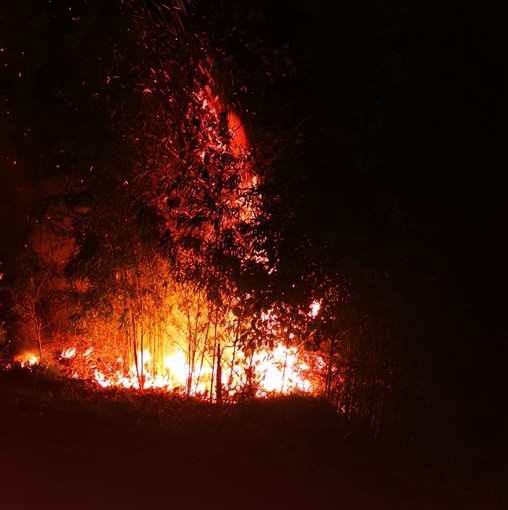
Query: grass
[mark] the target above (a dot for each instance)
(127, 449)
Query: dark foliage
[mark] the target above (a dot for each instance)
(386, 172)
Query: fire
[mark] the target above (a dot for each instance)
(162, 329)
(69, 353)
(280, 370)
(27, 359)
(168, 335)
(195, 350)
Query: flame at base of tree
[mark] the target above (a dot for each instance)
(194, 358)
(186, 344)
(265, 371)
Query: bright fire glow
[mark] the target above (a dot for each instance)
(278, 370)
(281, 370)
(27, 359)
(314, 309)
(69, 353)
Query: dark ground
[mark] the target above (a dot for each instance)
(64, 446)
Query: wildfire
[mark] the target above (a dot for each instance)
(194, 349)
(26, 359)
(69, 353)
(282, 371)
(174, 320)
(181, 342)
(279, 370)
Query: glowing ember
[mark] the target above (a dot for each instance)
(314, 309)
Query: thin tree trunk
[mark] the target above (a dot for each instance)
(218, 396)
(37, 332)
(135, 348)
(233, 358)
(284, 371)
(329, 371)
(37, 321)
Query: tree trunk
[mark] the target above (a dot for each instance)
(219, 378)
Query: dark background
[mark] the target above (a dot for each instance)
(394, 167)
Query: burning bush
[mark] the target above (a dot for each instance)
(142, 257)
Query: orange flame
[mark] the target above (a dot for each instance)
(26, 359)
(281, 370)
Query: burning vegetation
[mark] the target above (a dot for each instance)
(140, 266)
(156, 255)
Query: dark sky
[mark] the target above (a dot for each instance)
(14, 202)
